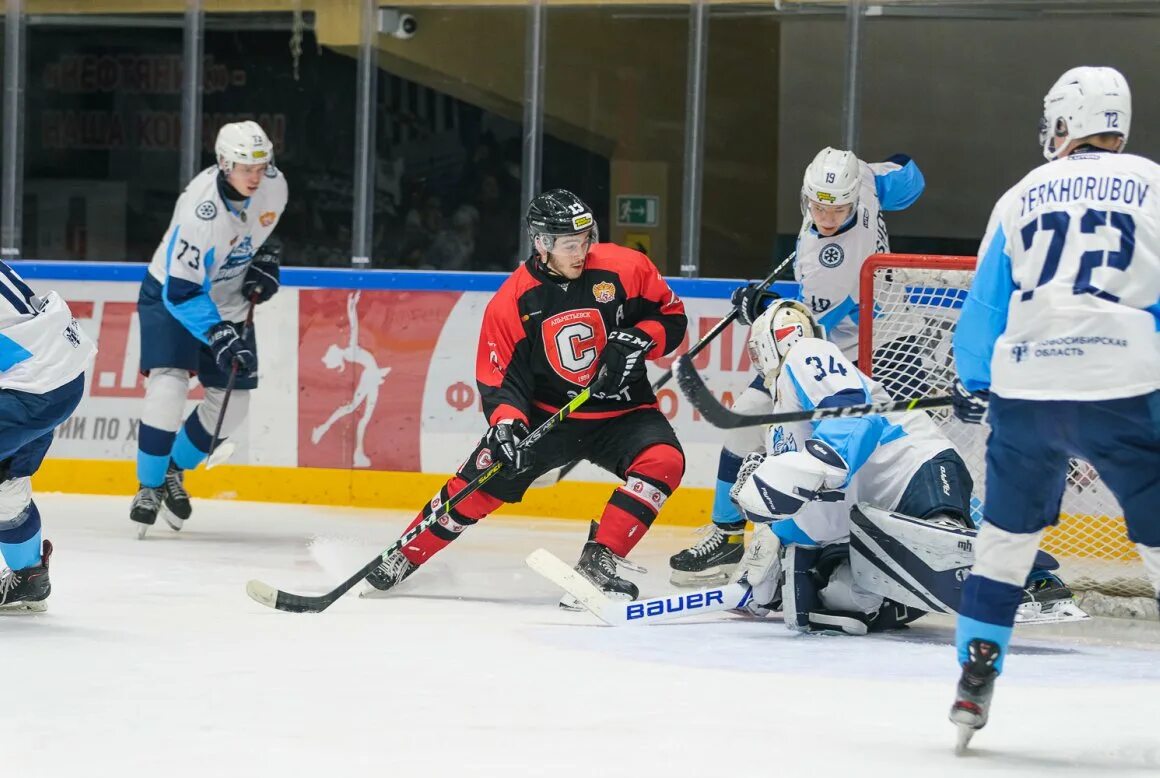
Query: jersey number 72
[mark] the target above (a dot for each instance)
(1058, 223)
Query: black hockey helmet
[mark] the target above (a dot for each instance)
(559, 212)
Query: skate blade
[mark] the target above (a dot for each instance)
(24, 608)
(570, 603)
(718, 577)
(141, 530)
(1051, 613)
(963, 738)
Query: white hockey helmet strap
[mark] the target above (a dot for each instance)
(833, 178)
(1085, 101)
(774, 333)
(244, 143)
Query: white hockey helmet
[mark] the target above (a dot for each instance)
(833, 178)
(244, 143)
(774, 333)
(1084, 101)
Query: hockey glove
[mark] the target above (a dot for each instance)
(751, 301)
(622, 362)
(502, 440)
(263, 276)
(228, 347)
(970, 407)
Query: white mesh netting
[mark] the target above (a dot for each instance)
(906, 346)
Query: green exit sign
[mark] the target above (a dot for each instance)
(637, 210)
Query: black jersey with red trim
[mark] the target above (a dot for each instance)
(541, 337)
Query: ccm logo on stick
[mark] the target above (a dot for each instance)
(639, 610)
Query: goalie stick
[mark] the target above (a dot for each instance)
(693, 387)
(618, 613)
(694, 350)
(296, 603)
(730, 597)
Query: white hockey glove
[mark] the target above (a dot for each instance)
(782, 484)
(761, 569)
(751, 462)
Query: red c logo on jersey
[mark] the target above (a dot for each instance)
(572, 341)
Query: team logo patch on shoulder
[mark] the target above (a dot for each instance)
(206, 210)
(267, 218)
(604, 292)
(831, 255)
(483, 460)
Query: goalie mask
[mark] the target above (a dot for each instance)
(243, 143)
(832, 180)
(556, 213)
(1085, 101)
(775, 332)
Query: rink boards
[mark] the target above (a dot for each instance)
(378, 426)
(419, 330)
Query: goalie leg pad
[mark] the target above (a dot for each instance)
(800, 593)
(840, 591)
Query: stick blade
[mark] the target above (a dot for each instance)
(221, 454)
(262, 593)
(560, 573)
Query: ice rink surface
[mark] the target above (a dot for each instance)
(151, 661)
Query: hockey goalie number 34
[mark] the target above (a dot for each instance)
(572, 341)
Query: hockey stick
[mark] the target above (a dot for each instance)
(296, 603)
(694, 350)
(618, 613)
(693, 387)
(219, 454)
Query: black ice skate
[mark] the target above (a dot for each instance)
(27, 590)
(145, 506)
(713, 559)
(976, 685)
(1046, 598)
(598, 565)
(177, 504)
(391, 571)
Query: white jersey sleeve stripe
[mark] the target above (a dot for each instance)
(11, 353)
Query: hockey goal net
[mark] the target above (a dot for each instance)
(906, 346)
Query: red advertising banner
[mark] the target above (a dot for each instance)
(362, 367)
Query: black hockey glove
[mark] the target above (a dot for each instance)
(622, 362)
(970, 407)
(503, 442)
(263, 276)
(227, 346)
(751, 301)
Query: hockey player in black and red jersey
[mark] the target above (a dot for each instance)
(576, 313)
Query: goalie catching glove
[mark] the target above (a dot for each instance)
(782, 484)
